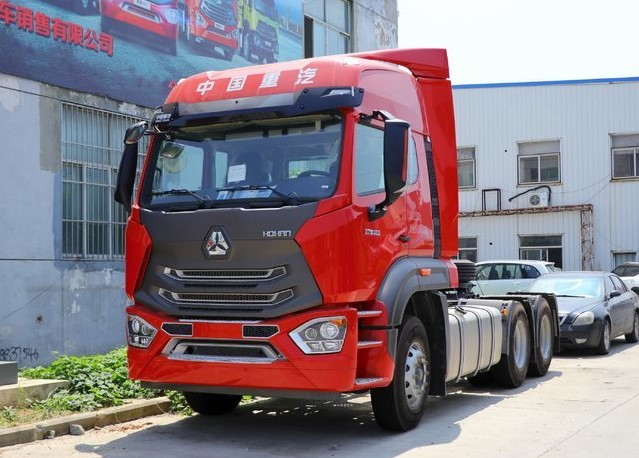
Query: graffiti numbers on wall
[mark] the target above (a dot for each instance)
(19, 354)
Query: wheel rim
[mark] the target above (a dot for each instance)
(606, 336)
(520, 351)
(545, 337)
(416, 376)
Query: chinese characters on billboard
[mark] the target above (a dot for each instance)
(136, 50)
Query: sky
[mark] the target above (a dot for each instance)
(503, 41)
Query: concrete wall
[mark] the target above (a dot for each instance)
(47, 305)
(375, 24)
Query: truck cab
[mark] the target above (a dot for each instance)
(212, 24)
(259, 30)
(293, 235)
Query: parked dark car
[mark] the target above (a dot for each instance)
(594, 308)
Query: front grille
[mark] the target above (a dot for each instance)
(232, 352)
(226, 275)
(141, 12)
(267, 31)
(259, 331)
(202, 298)
(221, 13)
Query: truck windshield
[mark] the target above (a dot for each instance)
(267, 8)
(267, 162)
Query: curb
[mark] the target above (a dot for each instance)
(89, 420)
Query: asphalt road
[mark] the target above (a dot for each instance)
(586, 406)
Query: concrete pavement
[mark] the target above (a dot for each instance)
(584, 407)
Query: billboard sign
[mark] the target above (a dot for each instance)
(136, 50)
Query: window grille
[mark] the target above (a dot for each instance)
(327, 27)
(92, 222)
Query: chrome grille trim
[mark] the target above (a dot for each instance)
(216, 299)
(178, 350)
(228, 275)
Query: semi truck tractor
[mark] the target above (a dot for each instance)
(212, 24)
(294, 234)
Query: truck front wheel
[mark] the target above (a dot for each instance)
(400, 405)
(512, 368)
(212, 404)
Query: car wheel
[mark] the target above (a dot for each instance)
(228, 54)
(634, 335)
(400, 405)
(512, 368)
(604, 340)
(106, 24)
(171, 46)
(83, 7)
(212, 404)
(543, 351)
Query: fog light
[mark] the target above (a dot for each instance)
(139, 332)
(321, 335)
(580, 341)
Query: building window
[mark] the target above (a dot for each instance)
(539, 162)
(625, 156)
(327, 27)
(468, 248)
(623, 257)
(466, 167)
(541, 248)
(92, 222)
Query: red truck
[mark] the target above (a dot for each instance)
(212, 24)
(294, 235)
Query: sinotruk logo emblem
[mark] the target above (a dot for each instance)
(216, 244)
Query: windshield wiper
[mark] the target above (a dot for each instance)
(290, 199)
(567, 295)
(203, 201)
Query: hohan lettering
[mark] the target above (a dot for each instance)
(281, 233)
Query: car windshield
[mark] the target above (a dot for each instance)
(569, 286)
(263, 162)
(267, 8)
(626, 271)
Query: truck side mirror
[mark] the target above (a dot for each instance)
(128, 165)
(395, 160)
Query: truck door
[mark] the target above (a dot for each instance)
(383, 238)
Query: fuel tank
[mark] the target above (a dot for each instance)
(475, 339)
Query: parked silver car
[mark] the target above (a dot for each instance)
(629, 273)
(498, 277)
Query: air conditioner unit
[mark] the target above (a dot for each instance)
(538, 199)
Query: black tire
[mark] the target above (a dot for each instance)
(511, 370)
(106, 24)
(633, 336)
(171, 47)
(212, 404)
(228, 55)
(541, 355)
(481, 379)
(400, 405)
(603, 348)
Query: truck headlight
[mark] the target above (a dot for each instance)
(321, 335)
(171, 17)
(139, 332)
(584, 319)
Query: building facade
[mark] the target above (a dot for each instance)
(549, 171)
(72, 78)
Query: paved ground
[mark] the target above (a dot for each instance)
(585, 407)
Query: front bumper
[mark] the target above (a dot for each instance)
(252, 365)
(581, 336)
